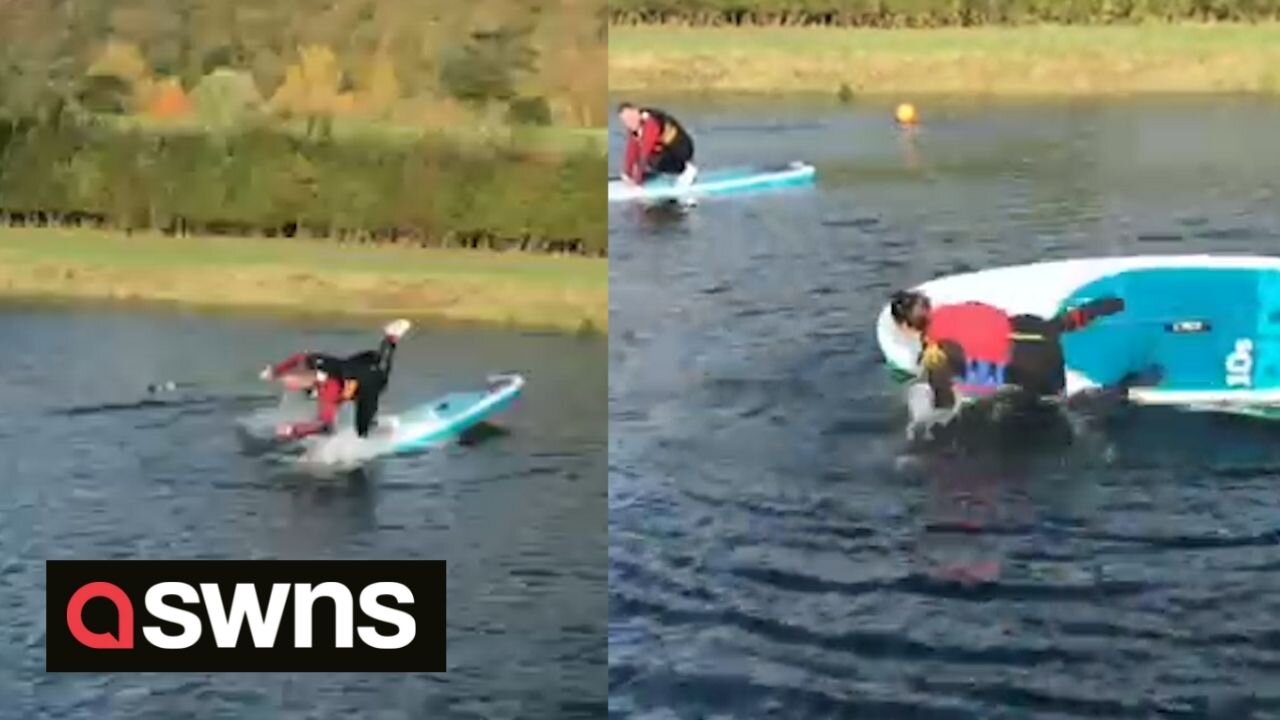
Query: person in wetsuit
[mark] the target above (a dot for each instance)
(359, 378)
(657, 144)
(974, 348)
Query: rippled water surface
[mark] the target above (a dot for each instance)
(91, 472)
(777, 549)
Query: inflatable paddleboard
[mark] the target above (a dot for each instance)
(446, 418)
(709, 183)
(431, 424)
(1212, 323)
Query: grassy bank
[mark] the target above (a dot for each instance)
(1037, 60)
(517, 289)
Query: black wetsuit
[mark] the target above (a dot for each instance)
(371, 370)
(360, 378)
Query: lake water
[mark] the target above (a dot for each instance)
(91, 472)
(776, 547)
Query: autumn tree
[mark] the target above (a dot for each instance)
(119, 80)
(389, 57)
(381, 88)
(169, 100)
(311, 88)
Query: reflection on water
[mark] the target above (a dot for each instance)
(778, 548)
(96, 466)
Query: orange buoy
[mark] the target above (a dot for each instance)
(906, 114)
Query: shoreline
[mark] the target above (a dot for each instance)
(304, 278)
(1015, 61)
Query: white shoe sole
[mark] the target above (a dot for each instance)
(687, 177)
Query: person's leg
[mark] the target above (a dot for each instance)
(372, 372)
(372, 383)
(370, 362)
(1081, 316)
(666, 163)
(681, 152)
(386, 353)
(366, 409)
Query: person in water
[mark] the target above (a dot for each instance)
(359, 378)
(974, 349)
(657, 144)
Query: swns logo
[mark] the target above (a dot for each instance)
(253, 616)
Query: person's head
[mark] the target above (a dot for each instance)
(910, 309)
(629, 116)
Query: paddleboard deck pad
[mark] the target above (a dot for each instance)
(712, 183)
(1210, 323)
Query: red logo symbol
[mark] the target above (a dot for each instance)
(123, 639)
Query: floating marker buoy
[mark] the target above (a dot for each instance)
(906, 114)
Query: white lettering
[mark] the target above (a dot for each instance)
(406, 628)
(264, 626)
(244, 605)
(304, 596)
(1239, 364)
(160, 610)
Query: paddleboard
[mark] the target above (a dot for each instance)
(431, 424)
(709, 183)
(1212, 323)
(447, 417)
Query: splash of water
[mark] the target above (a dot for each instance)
(262, 424)
(1006, 421)
(344, 449)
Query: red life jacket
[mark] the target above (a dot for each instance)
(657, 132)
(983, 334)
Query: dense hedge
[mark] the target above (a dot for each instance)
(269, 182)
(930, 13)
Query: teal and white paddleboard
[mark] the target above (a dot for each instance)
(446, 418)
(1211, 322)
(709, 183)
(431, 424)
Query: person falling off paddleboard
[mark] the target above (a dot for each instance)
(974, 349)
(657, 144)
(359, 378)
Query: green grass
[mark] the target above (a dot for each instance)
(518, 289)
(1002, 60)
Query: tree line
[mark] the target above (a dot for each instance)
(269, 181)
(370, 120)
(934, 13)
(415, 63)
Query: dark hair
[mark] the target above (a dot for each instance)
(903, 302)
(625, 106)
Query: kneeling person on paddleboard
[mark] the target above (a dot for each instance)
(974, 348)
(657, 144)
(333, 381)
